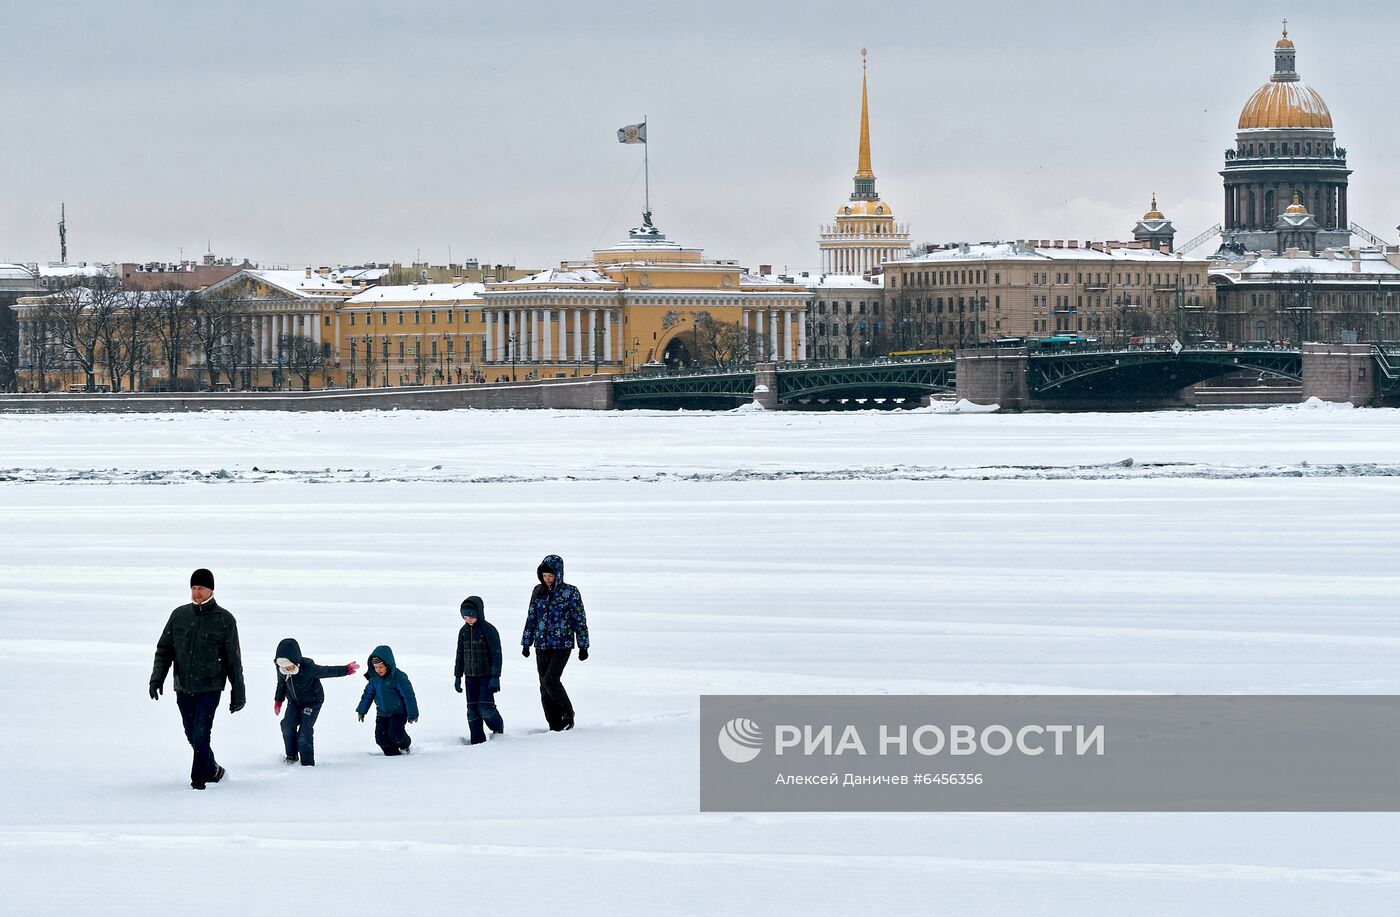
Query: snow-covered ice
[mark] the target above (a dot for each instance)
(747, 552)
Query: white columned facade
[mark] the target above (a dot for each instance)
(773, 331)
(592, 335)
(547, 335)
(487, 315)
(607, 336)
(787, 334)
(578, 335)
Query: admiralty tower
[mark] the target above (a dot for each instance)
(865, 233)
(1285, 146)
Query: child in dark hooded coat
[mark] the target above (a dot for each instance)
(299, 681)
(479, 662)
(395, 705)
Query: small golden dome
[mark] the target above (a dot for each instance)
(1154, 213)
(1296, 206)
(876, 208)
(1279, 104)
(1285, 41)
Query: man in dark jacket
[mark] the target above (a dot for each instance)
(555, 618)
(201, 640)
(479, 662)
(299, 681)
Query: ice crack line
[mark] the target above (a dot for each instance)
(1127, 469)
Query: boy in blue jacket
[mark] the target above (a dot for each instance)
(299, 681)
(392, 693)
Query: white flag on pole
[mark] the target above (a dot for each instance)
(632, 133)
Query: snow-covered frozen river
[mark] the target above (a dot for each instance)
(748, 552)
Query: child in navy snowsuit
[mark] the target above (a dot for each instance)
(299, 681)
(392, 693)
(479, 662)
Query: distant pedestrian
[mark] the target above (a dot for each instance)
(479, 663)
(299, 681)
(555, 619)
(395, 706)
(201, 640)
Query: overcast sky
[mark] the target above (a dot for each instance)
(297, 133)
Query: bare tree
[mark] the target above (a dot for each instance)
(371, 360)
(171, 318)
(214, 322)
(79, 314)
(420, 362)
(1297, 304)
(126, 341)
(9, 348)
(718, 343)
(303, 356)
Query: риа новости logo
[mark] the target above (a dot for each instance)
(740, 740)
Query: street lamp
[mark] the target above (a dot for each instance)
(351, 376)
(511, 341)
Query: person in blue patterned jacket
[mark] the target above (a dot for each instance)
(555, 619)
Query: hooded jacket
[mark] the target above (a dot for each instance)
(303, 688)
(201, 641)
(390, 694)
(478, 645)
(556, 614)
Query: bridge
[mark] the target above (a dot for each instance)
(1017, 378)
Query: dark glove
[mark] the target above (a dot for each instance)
(457, 684)
(361, 716)
(235, 705)
(156, 691)
(582, 653)
(525, 651)
(495, 685)
(413, 719)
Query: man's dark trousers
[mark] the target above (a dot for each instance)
(390, 735)
(555, 700)
(299, 732)
(481, 707)
(197, 714)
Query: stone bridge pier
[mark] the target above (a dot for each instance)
(1340, 372)
(995, 376)
(765, 386)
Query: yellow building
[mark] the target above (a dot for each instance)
(646, 301)
(419, 334)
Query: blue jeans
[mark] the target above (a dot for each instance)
(481, 705)
(299, 732)
(197, 715)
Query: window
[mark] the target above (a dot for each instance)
(352, 319)
(432, 316)
(400, 349)
(417, 317)
(384, 320)
(400, 318)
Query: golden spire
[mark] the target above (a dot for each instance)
(863, 162)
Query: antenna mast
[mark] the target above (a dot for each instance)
(63, 233)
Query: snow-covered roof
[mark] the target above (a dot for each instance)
(348, 274)
(297, 283)
(84, 269)
(15, 272)
(1333, 266)
(562, 275)
(814, 280)
(1018, 251)
(418, 293)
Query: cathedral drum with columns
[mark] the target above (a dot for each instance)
(1284, 147)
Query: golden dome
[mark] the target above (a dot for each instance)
(1296, 206)
(1279, 104)
(876, 208)
(1154, 213)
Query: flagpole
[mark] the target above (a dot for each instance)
(646, 162)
